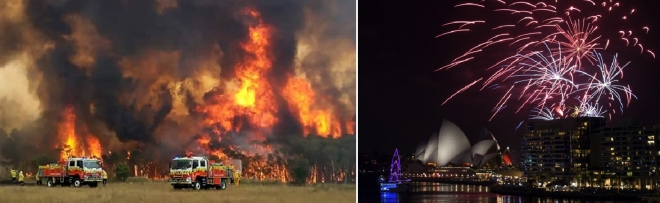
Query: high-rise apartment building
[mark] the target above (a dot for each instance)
(562, 146)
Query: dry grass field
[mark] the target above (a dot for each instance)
(161, 192)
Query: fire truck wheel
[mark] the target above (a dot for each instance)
(223, 185)
(197, 185)
(49, 183)
(77, 183)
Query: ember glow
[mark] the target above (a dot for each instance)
(553, 53)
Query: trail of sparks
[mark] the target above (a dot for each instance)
(519, 124)
(546, 80)
(461, 90)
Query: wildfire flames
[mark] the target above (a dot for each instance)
(254, 98)
(72, 143)
(300, 95)
(235, 81)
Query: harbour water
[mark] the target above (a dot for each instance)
(440, 192)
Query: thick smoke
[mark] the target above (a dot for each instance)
(134, 70)
(326, 52)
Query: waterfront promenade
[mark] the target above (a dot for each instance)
(454, 181)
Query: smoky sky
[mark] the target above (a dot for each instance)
(134, 29)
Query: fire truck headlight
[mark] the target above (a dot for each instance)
(188, 179)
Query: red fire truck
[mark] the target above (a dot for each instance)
(199, 173)
(73, 171)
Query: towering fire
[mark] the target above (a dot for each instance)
(255, 97)
(225, 109)
(67, 133)
(73, 142)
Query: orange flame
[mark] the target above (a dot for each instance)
(350, 127)
(73, 141)
(301, 98)
(251, 74)
(254, 99)
(67, 132)
(94, 146)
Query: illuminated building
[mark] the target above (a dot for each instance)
(450, 147)
(561, 146)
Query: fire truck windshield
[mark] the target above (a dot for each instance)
(92, 164)
(180, 164)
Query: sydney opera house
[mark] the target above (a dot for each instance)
(450, 147)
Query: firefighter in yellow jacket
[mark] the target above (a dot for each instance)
(105, 177)
(13, 175)
(237, 177)
(20, 177)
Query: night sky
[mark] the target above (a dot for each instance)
(401, 94)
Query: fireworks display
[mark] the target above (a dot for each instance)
(551, 54)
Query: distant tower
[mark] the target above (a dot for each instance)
(395, 168)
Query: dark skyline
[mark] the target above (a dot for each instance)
(401, 94)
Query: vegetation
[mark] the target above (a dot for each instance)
(333, 159)
(161, 192)
(122, 171)
(299, 169)
(329, 160)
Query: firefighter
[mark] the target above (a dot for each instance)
(36, 177)
(105, 177)
(20, 177)
(237, 177)
(13, 175)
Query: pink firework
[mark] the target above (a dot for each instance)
(539, 77)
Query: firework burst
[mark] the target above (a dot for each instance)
(592, 110)
(605, 84)
(543, 114)
(545, 79)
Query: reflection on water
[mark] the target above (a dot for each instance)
(443, 188)
(438, 192)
